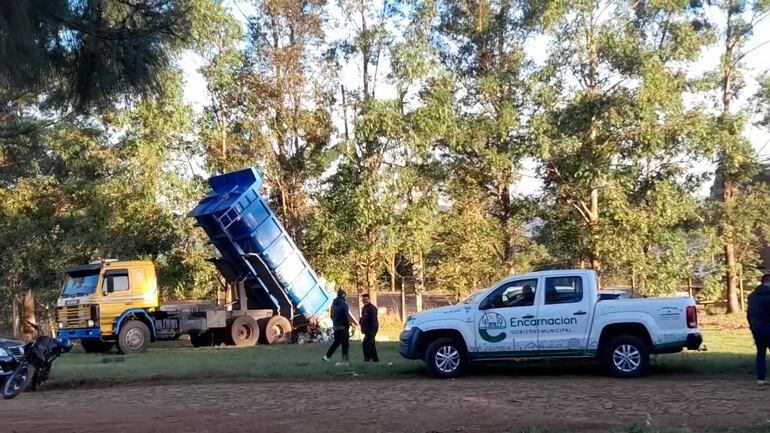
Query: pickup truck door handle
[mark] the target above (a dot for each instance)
(528, 316)
(579, 313)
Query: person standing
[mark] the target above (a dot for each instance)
(758, 315)
(341, 322)
(369, 326)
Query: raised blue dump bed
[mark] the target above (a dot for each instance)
(239, 223)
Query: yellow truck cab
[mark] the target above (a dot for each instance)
(99, 298)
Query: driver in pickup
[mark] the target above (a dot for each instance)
(528, 295)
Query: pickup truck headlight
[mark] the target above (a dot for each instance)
(90, 323)
(4, 353)
(409, 323)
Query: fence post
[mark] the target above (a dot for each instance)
(740, 286)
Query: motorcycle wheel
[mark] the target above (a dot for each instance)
(17, 381)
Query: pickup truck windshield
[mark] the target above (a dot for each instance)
(80, 283)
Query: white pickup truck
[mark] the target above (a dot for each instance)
(550, 314)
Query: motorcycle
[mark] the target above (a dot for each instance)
(35, 365)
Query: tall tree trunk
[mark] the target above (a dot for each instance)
(393, 274)
(403, 302)
(728, 187)
(419, 279)
(366, 48)
(740, 288)
(29, 316)
(348, 147)
(16, 319)
(371, 275)
(731, 281)
(596, 260)
(504, 198)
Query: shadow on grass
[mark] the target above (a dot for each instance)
(711, 364)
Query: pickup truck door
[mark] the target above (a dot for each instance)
(564, 316)
(500, 329)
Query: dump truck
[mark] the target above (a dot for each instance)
(275, 292)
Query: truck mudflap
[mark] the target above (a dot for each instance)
(76, 334)
(694, 341)
(410, 343)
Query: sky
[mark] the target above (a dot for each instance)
(756, 62)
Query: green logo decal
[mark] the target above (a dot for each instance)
(492, 322)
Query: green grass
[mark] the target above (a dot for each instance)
(170, 361)
(730, 353)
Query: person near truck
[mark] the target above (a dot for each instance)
(341, 322)
(369, 327)
(759, 321)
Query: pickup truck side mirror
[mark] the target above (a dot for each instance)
(486, 304)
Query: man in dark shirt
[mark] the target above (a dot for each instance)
(341, 322)
(759, 320)
(369, 326)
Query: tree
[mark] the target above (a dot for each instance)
(72, 57)
(617, 138)
(357, 207)
(485, 44)
(736, 164)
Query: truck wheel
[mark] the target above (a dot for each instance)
(93, 345)
(134, 337)
(277, 330)
(243, 331)
(627, 357)
(445, 358)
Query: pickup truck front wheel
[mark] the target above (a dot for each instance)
(627, 357)
(445, 358)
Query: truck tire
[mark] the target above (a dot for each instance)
(277, 330)
(627, 357)
(134, 337)
(243, 331)
(445, 358)
(93, 345)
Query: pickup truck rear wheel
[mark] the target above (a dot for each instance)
(243, 331)
(445, 358)
(627, 357)
(134, 337)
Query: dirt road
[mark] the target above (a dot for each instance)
(485, 404)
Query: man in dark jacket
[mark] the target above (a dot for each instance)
(369, 326)
(759, 321)
(341, 322)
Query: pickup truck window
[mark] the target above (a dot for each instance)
(514, 294)
(563, 290)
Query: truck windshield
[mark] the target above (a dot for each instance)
(81, 283)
